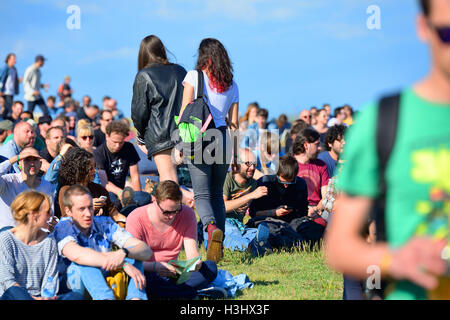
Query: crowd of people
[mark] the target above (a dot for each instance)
(75, 210)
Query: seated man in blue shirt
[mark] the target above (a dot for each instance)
(85, 242)
(334, 144)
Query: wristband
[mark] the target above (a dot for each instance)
(126, 262)
(385, 263)
(18, 164)
(154, 266)
(126, 252)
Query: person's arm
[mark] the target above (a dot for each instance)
(234, 204)
(111, 187)
(53, 170)
(349, 253)
(140, 109)
(188, 97)
(5, 166)
(138, 249)
(233, 115)
(83, 255)
(135, 181)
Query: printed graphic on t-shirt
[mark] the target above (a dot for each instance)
(432, 167)
(116, 167)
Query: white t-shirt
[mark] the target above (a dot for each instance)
(219, 103)
(11, 185)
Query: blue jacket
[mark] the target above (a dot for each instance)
(4, 73)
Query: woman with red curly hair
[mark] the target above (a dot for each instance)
(222, 95)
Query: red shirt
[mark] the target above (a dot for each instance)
(165, 245)
(316, 176)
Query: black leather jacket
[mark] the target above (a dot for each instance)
(157, 95)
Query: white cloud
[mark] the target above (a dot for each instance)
(241, 10)
(102, 55)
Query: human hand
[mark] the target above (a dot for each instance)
(259, 192)
(419, 261)
(98, 203)
(65, 148)
(177, 156)
(198, 265)
(113, 260)
(312, 211)
(282, 211)
(166, 270)
(135, 274)
(36, 93)
(52, 222)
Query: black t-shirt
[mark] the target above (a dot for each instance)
(46, 155)
(294, 196)
(116, 165)
(99, 137)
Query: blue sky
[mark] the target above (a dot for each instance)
(287, 54)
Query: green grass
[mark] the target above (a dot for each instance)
(284, 275)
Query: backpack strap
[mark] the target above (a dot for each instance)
(200, 84)
(387, 121)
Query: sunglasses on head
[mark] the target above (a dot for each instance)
(168, 212)
(443, 32)
(86, 137)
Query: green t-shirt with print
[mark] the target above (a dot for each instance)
(417, 174)
(232, 190)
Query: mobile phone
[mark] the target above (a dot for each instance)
(103, 198)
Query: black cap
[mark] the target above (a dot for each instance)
(44, 119)
(39, 57)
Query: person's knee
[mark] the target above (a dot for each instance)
(209, 270)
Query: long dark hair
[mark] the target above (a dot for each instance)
(151, 51)
(213, 57)
(75, 166)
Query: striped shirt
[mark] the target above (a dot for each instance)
(27, 265)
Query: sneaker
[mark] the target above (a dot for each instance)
(127, 196)
(260, 244)
(215, 238)
(213, 293)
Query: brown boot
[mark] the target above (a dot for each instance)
(215, 238)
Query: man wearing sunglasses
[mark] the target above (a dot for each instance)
(12, 184)
(166, 226)
(413, 255)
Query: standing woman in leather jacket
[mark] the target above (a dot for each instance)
(157, 94)
(223, 100)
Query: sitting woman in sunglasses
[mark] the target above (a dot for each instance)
(85, 135)
(166, 226)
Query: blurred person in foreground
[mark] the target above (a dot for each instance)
(417, 176)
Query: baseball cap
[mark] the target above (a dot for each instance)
(6, 125)
(39, 57)
(44, 119)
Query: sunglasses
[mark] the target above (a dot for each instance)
(248, 163)
(86, 137)
(168, 212)
(443, 32)
(287, 182)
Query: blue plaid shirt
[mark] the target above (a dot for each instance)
(104, 233)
